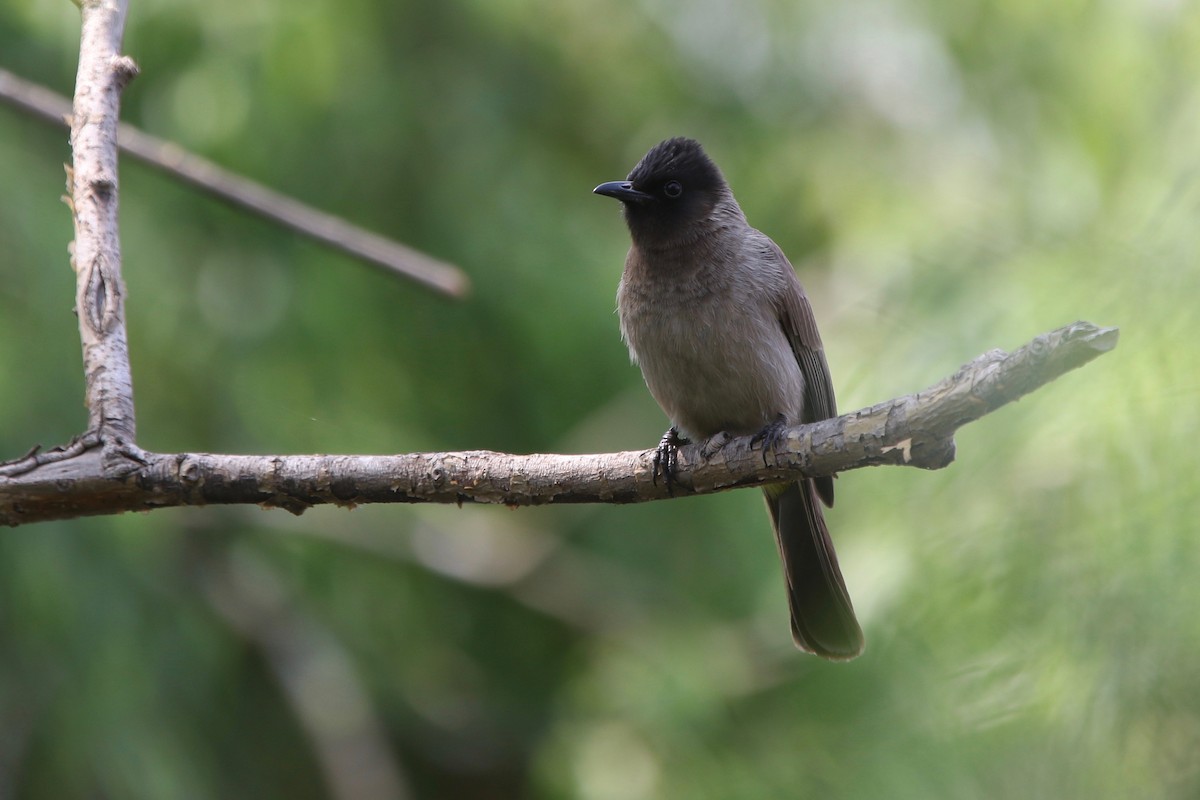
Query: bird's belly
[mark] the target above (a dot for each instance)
(713, 372)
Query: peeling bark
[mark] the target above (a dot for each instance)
(916, 431)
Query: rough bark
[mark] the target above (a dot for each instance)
(104, 472)
(96, 251)
(916, 431)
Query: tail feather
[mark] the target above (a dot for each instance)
(823, 620)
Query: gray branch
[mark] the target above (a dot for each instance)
(102, 471)
(96, 251)
(916, 431)
(237, 190)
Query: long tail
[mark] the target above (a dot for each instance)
(823, 620)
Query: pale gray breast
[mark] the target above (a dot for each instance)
(711, 348)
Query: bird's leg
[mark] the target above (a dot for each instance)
(665, 455)
(770, 436)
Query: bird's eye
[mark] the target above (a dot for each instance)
(672, 189)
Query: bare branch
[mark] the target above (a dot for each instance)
(104, 472)
(36, 458)
(245, 193)
(916, 431)
(96, 251)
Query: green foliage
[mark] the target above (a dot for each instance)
(947, 178)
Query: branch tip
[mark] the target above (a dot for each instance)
(239, 191)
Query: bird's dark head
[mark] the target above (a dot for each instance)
(671, 191)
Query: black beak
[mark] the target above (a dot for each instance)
(623, 191)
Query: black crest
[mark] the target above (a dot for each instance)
(679, 159)
(674, 187)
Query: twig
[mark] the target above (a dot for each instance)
(34, 458)
(82, 479)
(245, 193)
(916, 431)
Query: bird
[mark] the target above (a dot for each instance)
(722, 329)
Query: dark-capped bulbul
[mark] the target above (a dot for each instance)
(713, 313)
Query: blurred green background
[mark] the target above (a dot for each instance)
(947, 177)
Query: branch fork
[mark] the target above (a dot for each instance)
(916, 431)
(103, 471)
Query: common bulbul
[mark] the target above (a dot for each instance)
(714, 315)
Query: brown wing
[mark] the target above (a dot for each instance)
(800, 325)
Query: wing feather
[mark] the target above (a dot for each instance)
(800, 326)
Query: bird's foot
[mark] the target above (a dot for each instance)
(666, 455)
(770, 436)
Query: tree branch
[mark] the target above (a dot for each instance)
(96, 251)
(244, 193)
(916, 431)
(102, 471)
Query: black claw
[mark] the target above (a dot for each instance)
(665, 456)
(770, 436)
